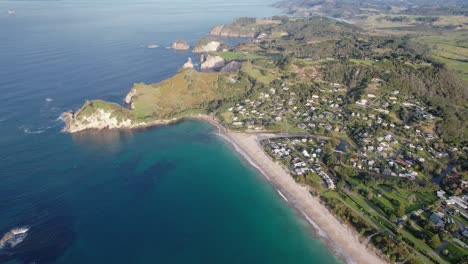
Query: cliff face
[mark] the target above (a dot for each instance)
(208, 46)
(99, 114)
(188, 64)
(128, 98)
(233, 66)
(100, 119)
(212, 62)
(235, 32)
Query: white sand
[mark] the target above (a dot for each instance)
(342, 239)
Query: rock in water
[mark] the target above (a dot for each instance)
(233, 66)
(188, 64)
(212, 63)
(180, 45)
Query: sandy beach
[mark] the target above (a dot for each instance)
(340, 238)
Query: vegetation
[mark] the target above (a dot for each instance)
(385, 116)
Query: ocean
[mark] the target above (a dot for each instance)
(169, 194)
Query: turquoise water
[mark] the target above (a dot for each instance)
(172, 194)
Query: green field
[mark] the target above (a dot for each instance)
(240, 56)
(451, 51)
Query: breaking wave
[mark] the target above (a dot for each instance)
(14, 237)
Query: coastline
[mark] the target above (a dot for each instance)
(340, 239)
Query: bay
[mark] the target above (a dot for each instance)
(171, 194)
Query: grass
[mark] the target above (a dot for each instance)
(117, 111)
(460, 67)
(261, 74)
(450, 50)
(449, 46)
(188, 89)
(363, 62)
(378, 21)
(185, 93)
(460, 219)
(455, 252)
(240, 56)
(355, 202)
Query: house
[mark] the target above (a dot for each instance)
(441, 194)
(436, 218)
(418, 212)
(454, 200)
(363, 102)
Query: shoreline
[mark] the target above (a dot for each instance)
(339, 238)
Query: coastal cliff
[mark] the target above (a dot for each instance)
(98, 114)
(211, 62)
(206, 45)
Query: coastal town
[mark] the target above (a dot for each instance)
(358, 131)
(368, 155)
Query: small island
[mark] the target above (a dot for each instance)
(180, 45)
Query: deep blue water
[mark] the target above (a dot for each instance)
(174, 194)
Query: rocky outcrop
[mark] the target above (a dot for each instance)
(99, 119)
(207, 46)
(180, 45)
(188, 64)
(262, 35)
(232, 31)
(210, 62)
(130, 95)
(233, 66)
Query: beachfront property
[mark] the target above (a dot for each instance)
(301, 156)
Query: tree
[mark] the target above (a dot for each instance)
(434, 241)
(401, 210)
(330, 159)
(444, 235)
(340, 184)
(378, 239)
(452, 227)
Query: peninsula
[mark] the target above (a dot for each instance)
(365, 134)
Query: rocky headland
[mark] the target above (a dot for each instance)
(186, 93)
(234, 32)
(212, 62)
(207, 45)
